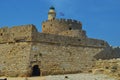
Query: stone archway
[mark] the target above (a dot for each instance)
(35, 70)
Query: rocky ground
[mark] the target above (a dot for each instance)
(81, 76)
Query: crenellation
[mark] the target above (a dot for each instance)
(69, 20)
(74, 21)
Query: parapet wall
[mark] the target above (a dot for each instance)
(66, 40)
(58, 25)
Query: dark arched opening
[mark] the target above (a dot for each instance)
(35, 70)
(70, 28)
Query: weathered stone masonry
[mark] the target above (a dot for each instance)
(61, 47)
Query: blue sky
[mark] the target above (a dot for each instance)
(100, 18)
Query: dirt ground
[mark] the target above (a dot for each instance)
(81, 76)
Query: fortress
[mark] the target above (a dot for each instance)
(62, 47)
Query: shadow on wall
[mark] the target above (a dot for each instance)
(108, 53)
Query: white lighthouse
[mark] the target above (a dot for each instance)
(51, 13)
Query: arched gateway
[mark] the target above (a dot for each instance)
(35, 70)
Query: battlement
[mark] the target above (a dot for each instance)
(65, 20)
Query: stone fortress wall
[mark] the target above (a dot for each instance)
(26, 33)
(56, 59)
(53, 54)
(15, 50)
(14, 59)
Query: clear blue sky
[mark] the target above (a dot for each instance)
(100, 18)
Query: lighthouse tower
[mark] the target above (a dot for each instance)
(51, 13)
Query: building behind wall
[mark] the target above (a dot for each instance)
(62, 47)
